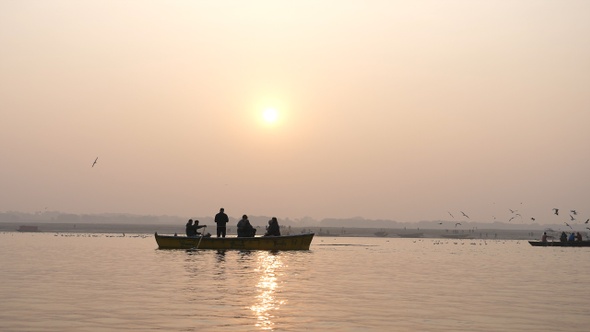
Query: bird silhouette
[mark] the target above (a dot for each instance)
(574, 212)
(457, 224)
(556, 211)
(532, 218)
(451, 215)
(509, 220)
(568, 225)
(440, 223)
(572, 218)
(587, 220)
(94, 163)
(463, 213)
(512, 211)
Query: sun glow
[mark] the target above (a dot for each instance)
(270, 115)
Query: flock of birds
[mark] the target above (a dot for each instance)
(572, 218)
(514, 214)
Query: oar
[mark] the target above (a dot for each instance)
(202, 234)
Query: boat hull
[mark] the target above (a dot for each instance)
(287, 242)
(560, 244)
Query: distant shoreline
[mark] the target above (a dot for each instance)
(486, 234)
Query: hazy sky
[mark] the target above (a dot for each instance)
(402, 110)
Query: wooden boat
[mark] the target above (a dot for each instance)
(410, 235)
(455, 236)
(560, 244)
(286, 242)
(28, 229)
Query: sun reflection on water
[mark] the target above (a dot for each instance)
(266, 300)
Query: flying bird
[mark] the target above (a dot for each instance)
(532, 218)
(587, 220)
(512, 211)
(568, 225)
(440, 223)
(574, 212)
(94, 163)
(509, 220)
(456, 224)
(556, 211)
(463, 213)
(451, 215)
(572, 218)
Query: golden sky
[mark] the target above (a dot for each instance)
(402, 110)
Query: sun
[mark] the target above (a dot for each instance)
(270, 115)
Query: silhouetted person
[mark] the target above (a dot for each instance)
(563, 237)
(572, 237)
(190, 229)
(197, 226)
(221, 220)
(245, 229)
(273, 228)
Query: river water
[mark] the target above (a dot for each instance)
(100, 282)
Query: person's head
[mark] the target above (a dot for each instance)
(196, 222)
(221, 210)
(244, 217)
(544, 233)
(190, 221)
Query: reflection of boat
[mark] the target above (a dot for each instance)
(28, 229)
(560, 244)
(381, 234)
(287, 242)
(410, 235)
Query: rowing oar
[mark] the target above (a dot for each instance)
(202, 234)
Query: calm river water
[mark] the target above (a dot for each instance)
(99, 282)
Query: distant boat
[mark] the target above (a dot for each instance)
(455, 236)
(560, 244)
(410, 235)
(286, 242)
(28, 229)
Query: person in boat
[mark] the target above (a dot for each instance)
(273, 228)
(245, 229)
(579, 237)
(197, 226)
(572, 237)
(221, 220)
(190, 229)
(563, 237)
(544, 237)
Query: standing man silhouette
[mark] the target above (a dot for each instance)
(221, 220)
